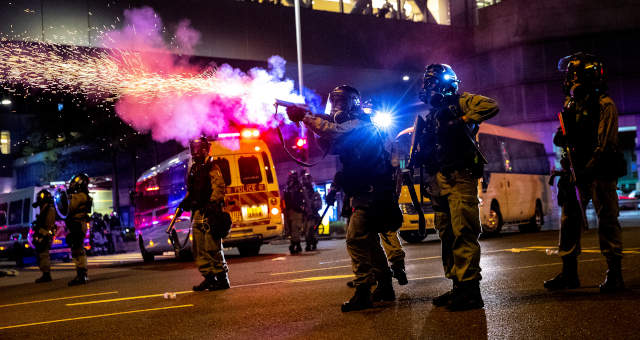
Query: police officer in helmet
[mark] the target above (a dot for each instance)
(43, 231)
(294, 201)
(366, 180)
(77, 223)
(591, 123)
(453, 165)
(205, 200)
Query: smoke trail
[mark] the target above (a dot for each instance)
(155, 88)
(206, 102)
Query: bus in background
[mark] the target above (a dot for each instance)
(514, 188)
(252, 197)
(16, 233)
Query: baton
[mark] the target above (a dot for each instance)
(322, 216)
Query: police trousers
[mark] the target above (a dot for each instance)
(207, 250)
(295, 223)
(605, 201)
(310, 231)
(457, 218)
(76, 232)
(44, 260)
(393, 248)
(368, 260)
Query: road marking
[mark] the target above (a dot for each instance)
(123, 299)
(583, 250)
(93, 316)
(56, 299)
(320, 278)
(308, 270)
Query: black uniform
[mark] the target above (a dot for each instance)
(44, 230)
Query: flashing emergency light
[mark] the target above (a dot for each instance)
(275, 211)
(301, 143)
(153, 188)
(250, 133)
(382, 119)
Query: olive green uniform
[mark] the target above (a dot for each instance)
(361, 155)
(454, 193)
(595, 184)
(77, 225)
(295, 224)
(393, 248)
(206, 248)
(45, 226)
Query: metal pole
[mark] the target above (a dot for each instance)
(299, 51)
(299, 45)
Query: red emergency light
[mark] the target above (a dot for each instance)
(154, 188)
(250, 133)
(301, 143)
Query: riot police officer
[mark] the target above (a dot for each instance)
(453, 164)
(294, 211)
(205, 200)
(312, 203)
(591, 124)
(43, 232)
(367, 182)
(77, 222)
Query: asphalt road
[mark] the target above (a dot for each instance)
(275, 295)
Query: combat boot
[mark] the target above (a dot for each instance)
(46, 277)
(444, 299)
(613, 281)
(80, 279)
(399, 273)
(384, 291)
(568, 277)
(466, 296)
(208, 283)
(307, 247)
(222, 282)
(292, 249)
(351, 284)
(360, 300)
(314, 245)
(298, 247)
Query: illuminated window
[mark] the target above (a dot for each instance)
(485, 3)
(5, 142)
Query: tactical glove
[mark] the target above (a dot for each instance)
(296, 114)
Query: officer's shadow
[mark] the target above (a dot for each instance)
(442, 324)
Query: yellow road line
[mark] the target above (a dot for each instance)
(123, 299)
(320, 278)
(93, 316)
(309, 270)
(56, 299)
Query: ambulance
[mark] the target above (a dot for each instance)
(252, 197)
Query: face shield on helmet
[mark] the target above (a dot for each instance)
(583, 74)
(293, 178)
(345, 103)
(439, 81)
(199, 149)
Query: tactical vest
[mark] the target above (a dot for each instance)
(451, 147)
(294, 198)
(82, 210)
(582, 130)
(199, 184)
(366, 163)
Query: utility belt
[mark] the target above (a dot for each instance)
(212, 219)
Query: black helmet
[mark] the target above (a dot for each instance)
(439, 81)
(293, 178)
(43, 196)
(79, 183)
(199, 148)
(345, 103)
(583, 73)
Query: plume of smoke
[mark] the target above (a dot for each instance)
(198, 102)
